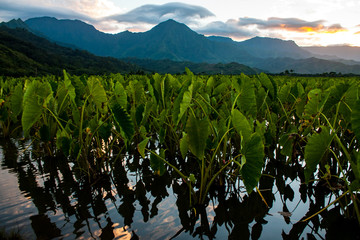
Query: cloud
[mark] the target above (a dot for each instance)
(229, 28)
(153, 14)
(290, 24)
(86, 10)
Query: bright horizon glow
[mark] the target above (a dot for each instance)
(308, 23)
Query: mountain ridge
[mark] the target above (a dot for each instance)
(177, 42)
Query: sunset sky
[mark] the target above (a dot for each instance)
(307, 22)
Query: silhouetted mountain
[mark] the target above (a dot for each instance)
(173, 67)
(23, 53)
(168, 40)
(306, 66)
(15, 23)
(336, 52)
(175, 41)
(274, 48)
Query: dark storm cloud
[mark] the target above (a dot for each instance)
(153, 14)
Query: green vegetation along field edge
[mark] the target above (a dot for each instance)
(225, 127)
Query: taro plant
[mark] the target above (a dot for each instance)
(332, 150)
(206, 136)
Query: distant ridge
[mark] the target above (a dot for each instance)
(23, 53)
(171, 40)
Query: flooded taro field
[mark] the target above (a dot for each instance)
(43, 198)
(180, 157)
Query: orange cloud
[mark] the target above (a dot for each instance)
(357, 32)
(292, 24)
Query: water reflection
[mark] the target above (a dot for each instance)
(132, 203)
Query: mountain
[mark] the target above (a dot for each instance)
(15, 23)
(336, 52)
(23, 53)
(274, 48)
(168, 40)
(173, 41)
(173, 67)
(307, 66)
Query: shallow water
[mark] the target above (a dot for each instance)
(43, 198)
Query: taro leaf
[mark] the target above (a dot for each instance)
(105, 131)
(284, 93)
(185, 103)
(210, 84)
(98, 94)
(184, 147)
(141, 147)
(120, 95)
(123, 119)
(247, 99)
(197, 134)
(241, 124)
(70, 88)
(315, 150)
(286, 142)
(36, 95)
(336, 94)
(355, 119)
(254, 154)
(220, 89)
(16, 100)
(313, 105)
(268, 84)
(139, 113)
(157, 164)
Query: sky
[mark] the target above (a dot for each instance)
(307, 22)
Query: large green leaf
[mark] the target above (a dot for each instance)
(17, 100)
(185, 103)
(336, 94)
(123, 119)
(315, 150)
(184, 147)
(142, 145)
(268, 84)
(98, 94)
(284, 93)
(157, 164)
(120, 94)
(247, 98)
(355, 119)
(241, 124)
(182, 101)
(313, 105)
(70, 88)
(197, 134)
(37, 94)
(253, 152)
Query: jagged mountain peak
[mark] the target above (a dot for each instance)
(15, 23)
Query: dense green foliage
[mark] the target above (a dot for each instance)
(24, 54)
(225, 127)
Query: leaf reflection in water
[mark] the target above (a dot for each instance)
(132, 203)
